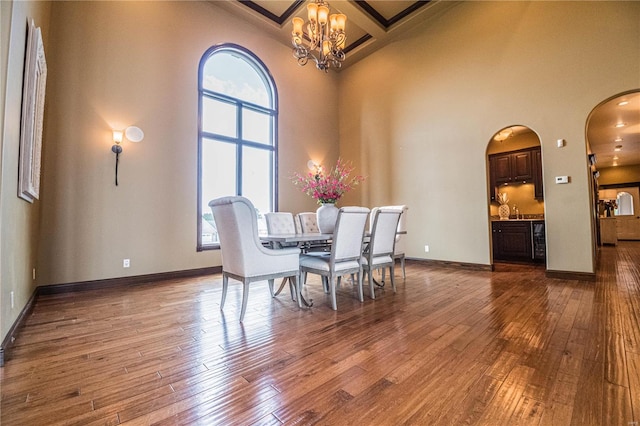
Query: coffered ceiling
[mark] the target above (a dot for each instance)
(370, 24)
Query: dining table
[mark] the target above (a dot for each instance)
(301, 239)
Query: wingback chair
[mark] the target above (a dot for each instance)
(244, 258)
(346, 252)
(379, 253)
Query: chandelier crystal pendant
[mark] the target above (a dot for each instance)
(324, 39)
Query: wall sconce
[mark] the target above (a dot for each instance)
(117, 149)
(133, 134)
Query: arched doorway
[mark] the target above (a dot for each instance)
(516, 196)
(613, 140)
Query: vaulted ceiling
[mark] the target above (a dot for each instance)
(371, 24)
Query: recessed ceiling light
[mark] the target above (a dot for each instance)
(618, 148)
(623, 103)
(615, 164)
(621, 124)
(615, 157)
(618, 139)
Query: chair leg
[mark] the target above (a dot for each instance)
(392, 272)
(360, 292)
(245, 296)
(334, 301)
(225, 285)
(404, 275)
(298, 280)
(383, 270)
(271, 288)
(372, 292)
(293, 287)
(325, 284)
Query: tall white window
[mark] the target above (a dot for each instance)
(237, 134)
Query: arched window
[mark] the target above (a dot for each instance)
(625, 204)
(237, 134)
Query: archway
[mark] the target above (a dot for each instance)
(516, 195)
(613, 140)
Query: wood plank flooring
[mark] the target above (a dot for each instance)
(451, 347)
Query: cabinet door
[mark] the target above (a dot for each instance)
(512, 241)
(502, 169)
(537, 174)
(493, 185)
(497, 241)
(521, 166)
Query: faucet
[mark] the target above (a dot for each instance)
(515, 210)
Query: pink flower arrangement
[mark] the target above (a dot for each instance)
(328, 187)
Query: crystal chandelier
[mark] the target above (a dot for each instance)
(325, 37)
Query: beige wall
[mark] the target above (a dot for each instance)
(618, 175)
(418, 114)
(116, 64)
(18, 218)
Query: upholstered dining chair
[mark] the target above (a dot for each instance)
(280, 223)
(379, 252)
(244, 258)
(308, 222)
(309, 225)
(346, 252)
(401, 235)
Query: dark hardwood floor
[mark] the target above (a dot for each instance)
(451, 347)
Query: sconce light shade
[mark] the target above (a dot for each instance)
(117, 136)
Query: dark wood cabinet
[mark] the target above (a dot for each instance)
(512, 241)
(522, 241)
(502, 166)
(537, 174)
(523, 166)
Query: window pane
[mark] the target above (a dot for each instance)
(234, 76)
(218, 180)
(256, 181)
(218, 117)
(256, 126)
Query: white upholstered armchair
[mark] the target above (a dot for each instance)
(244, 258)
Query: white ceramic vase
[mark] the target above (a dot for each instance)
(504, 211)
(327, 215)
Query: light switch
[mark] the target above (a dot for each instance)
(561, 143)
(562, 179)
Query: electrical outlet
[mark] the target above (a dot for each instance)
(12, 301)
(426, 249)
(126, 263)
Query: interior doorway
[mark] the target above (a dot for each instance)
(516, 196)
(613, 141)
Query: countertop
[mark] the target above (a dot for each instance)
(527, 219)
